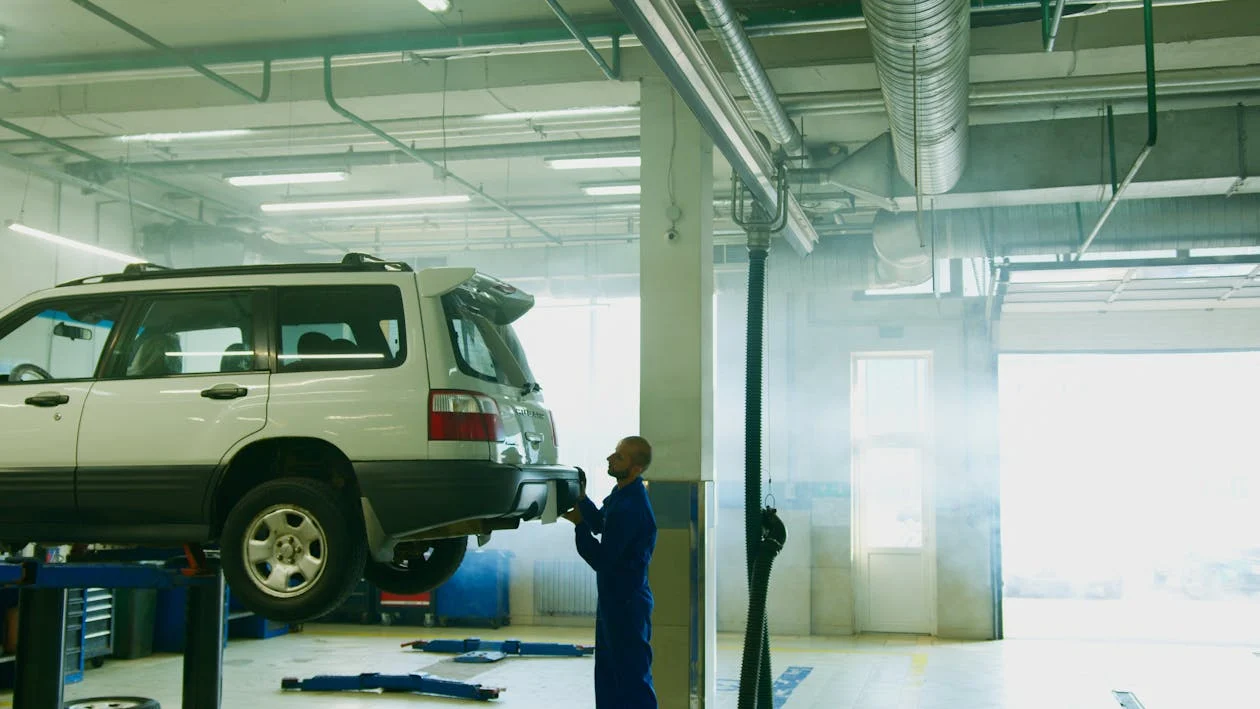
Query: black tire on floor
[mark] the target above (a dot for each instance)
(328, 528)
(112, 703)
(418, 575)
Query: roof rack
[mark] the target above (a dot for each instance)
(350, 263)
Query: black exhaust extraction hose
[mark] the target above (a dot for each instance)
(754, 671)
(754, 365)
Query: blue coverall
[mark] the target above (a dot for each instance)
(623, 621)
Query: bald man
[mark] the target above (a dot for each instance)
(620, 557)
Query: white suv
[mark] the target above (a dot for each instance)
(322, 422)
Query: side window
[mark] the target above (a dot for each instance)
(198, 333)
(338, 328)
(58, 341)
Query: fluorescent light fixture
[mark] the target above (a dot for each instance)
(559, 113)
(296, 178)
(366, 355)
(280, 207)
(436, 5)
(71, 243)
(233, 353)
(591, 163)
(609, 190)
(192, 135)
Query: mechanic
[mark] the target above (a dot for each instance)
(623, 621)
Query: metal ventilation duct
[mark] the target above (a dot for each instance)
(921, 50)
(720, 17)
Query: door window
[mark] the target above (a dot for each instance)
(199, 333)
(60, 340)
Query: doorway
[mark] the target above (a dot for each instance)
(1129, 491)
(892, 492)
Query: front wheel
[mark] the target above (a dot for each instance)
(292, 549)
(423, 569)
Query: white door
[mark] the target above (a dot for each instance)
(187, 381)
(895, 552)
(48, 356)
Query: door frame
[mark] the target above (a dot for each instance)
(861, 614)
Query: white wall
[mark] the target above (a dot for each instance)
(27, 264)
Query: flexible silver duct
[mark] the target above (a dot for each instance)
(921, 50)
(730, 33)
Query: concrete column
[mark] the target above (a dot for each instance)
(676, 393)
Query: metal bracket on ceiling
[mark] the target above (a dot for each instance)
(749, 214)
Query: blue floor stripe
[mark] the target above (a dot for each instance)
(783, 686)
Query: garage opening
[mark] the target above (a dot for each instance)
(1130, 490)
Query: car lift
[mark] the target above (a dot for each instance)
(38, 683)
(478, 650)
(469, 650)
(416, 683)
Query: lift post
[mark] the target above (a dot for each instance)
(39, 680)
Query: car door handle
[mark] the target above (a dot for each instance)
(47, 399)
(224, 391)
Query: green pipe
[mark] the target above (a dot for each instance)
(178, 55)
(389, 42)
(415, 155)
(1152, 128)
(1050, 22)
(613, 72)
(61, 145)
(54, 175)
(1111, 146)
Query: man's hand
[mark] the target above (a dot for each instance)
(574, 515)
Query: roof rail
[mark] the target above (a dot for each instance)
(352, 262)
(144, 267)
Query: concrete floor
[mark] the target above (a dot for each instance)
(867, 672)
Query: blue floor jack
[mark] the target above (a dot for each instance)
(478, 650)
(419, 683)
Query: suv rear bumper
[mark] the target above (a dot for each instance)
(413, 495)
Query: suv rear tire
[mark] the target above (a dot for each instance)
(419, 574)
(292, 549)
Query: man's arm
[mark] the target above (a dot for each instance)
(591, 515)
(619, 540)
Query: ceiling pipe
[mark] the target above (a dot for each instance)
(329, 161)
(720, 17)
(393, 47)
(922, 52)
(1152, 131)
(417, 156)
(664, 32)
(612, 73)
(183, 58)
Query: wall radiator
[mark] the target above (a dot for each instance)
(564, 588)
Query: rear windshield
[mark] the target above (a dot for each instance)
(484, 348)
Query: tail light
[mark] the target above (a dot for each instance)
(464, 416)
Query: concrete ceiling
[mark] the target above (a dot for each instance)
(448, 93)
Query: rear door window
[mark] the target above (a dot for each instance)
(338, 328)
(189, 333)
